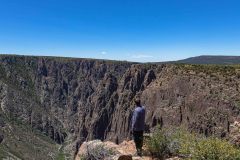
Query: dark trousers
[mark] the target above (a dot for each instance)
(138, 139)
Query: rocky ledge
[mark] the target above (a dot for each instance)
(124, 151)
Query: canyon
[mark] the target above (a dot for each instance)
(50, 105)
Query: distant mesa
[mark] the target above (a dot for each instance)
(208, 59)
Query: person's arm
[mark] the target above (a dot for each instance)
(134, 119)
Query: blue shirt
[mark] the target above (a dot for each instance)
(138, 119)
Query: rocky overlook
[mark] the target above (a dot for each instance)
(57, 103)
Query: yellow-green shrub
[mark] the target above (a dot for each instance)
(164, 143)
(158, 144)
(210, 149)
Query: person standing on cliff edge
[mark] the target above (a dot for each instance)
(138, 123)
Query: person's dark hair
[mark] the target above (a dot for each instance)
(137, 102)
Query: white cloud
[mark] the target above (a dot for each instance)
(103, 52)
(139, 56)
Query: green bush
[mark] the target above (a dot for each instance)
(164, 143)
(158, 144)
(210, 149)
(182, 138)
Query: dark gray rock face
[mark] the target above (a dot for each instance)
(1, 138)
(93, 99)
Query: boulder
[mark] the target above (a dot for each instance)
(234, 135)
(110, 150)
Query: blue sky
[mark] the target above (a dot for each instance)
(133, 30)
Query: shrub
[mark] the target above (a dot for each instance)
(158, 144)
(211, 149)
(164, 143)
(182, 139)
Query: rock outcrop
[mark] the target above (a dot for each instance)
(75, 100)
(124, 151)
(234, 136)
